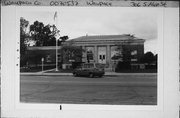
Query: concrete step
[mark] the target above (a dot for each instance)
(108, 70)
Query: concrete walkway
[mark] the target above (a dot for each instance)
(42, 73)
(70, 74)
(46, 71)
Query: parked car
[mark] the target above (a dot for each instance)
(90, 69)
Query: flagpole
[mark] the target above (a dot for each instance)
(55, 19)
(56, 54)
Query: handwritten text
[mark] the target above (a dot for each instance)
(64, 3)
(149, 4)
(93, 3)
(19, 3)
(106, 3)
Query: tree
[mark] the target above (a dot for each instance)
(34, 57)
(156, 59)
(148, 57)
(64, 38)
(45, 35)
(72, 53)
(23, 40)
(116, 56)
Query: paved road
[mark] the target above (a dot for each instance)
(121, 90)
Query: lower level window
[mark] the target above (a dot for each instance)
(133, 59)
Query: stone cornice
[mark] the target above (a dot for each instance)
(108, 42)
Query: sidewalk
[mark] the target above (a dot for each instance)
(70, 74)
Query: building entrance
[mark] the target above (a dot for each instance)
(102, 55)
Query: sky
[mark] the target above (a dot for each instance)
(81, 21)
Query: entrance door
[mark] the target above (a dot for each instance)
(102, 55)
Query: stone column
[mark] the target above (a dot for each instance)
(95, 54)
(108, 53)
(84, 54)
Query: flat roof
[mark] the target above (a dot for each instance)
(106, 37)
(43, 47)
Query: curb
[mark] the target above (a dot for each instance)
(70, 74)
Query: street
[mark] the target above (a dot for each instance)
(118, 90)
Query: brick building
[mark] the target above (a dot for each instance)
(105, 49)
(35, 54)
(110, 49)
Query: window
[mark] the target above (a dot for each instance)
(116, 53)
(48, 58)
(100, 56)
(134, 55)
(90, 53)
(134, 52)
(133, 59)
(103, 56)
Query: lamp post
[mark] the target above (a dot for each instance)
(42, 60)
(57, 54)
(57, 38)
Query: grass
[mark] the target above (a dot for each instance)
(61, 71)
(39, 68)
(35, 69)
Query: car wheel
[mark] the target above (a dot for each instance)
(91, 75)
(100, 75)
(75, 75)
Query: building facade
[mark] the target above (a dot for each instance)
(105, 49)
(48, 53)
(110, 49)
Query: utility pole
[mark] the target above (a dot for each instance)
(56, 20)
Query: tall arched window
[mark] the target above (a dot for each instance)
(90, 53)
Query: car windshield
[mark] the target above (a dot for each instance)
(78, 67)
(88, 65)
(92, 65)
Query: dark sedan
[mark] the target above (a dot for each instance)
(90, 69)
